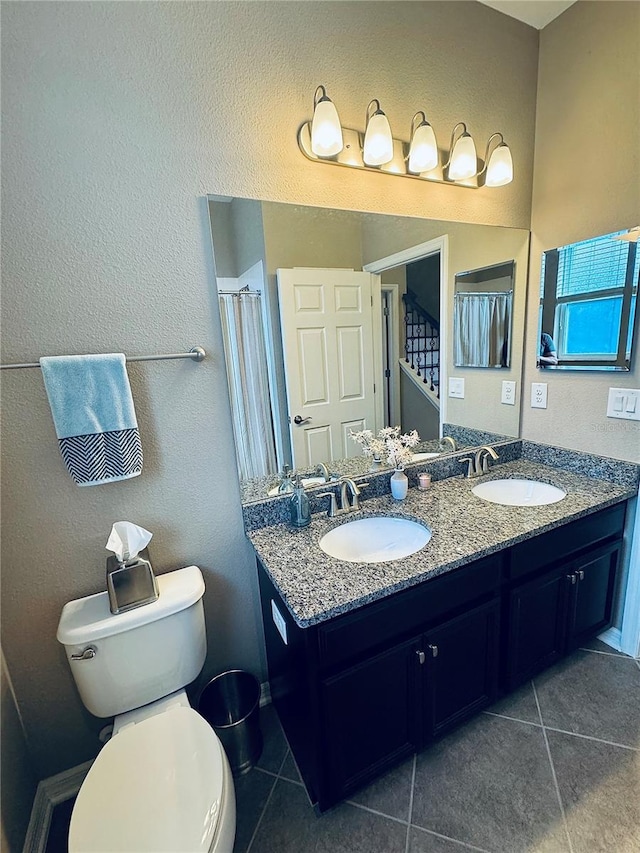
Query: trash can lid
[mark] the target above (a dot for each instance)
(156, 786)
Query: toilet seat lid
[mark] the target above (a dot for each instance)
(156, 786)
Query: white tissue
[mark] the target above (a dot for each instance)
(126, 540)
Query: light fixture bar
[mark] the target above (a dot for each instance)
(351, 157)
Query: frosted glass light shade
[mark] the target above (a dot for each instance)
(326, 133)
(423, 154)
(499, 167)
(464, 159)
(378, 142)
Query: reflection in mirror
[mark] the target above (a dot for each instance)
(482, 308)
(588, 296)
(338, 297)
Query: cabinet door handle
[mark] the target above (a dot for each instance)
(434, 651)
(421, 657)
(581, 575)
(571, 578)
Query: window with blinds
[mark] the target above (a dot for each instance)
(588, 300)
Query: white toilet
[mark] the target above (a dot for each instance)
(162, 782)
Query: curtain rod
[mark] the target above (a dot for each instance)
(482, 292)
(195, 354)
(239, 292)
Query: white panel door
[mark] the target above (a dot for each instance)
(327, 335)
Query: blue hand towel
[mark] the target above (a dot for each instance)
(93, 413)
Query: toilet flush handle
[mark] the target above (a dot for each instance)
(87, 654)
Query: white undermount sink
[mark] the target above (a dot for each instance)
(518, 492)
(377, 539)
(420, 457)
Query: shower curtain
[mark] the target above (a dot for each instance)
(481, 323)
(246, 360)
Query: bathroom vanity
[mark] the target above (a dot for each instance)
(369, 663)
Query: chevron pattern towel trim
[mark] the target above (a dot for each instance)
(102, 457)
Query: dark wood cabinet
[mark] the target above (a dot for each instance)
(371, 716)
(360, 692)
(461, 663)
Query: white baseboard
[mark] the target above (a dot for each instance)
(50, 792)
(612, 637)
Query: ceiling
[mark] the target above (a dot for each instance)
(536, 13)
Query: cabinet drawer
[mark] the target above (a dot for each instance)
(549, 548)
(407, 611)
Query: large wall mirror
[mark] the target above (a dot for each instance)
(588, 296)
(325, 310)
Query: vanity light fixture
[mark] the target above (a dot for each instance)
(326, 133)
(463, 159)
(324, 140)
(423, 150)
(498, 166)
(378, 142)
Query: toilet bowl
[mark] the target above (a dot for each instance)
(162, 783)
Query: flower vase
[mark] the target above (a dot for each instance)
(399, 485)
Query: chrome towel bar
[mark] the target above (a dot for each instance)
(195, 354)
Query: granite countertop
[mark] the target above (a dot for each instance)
(316, 587)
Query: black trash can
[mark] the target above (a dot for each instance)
(230, 703)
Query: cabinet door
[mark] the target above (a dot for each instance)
(461, 667)
(371, 716)
(537, 624)
(592, 603)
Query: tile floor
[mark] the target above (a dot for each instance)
(554, 768)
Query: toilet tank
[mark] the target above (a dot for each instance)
(123, 661)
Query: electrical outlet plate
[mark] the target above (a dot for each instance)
(538, 395)
(508, 393)
(456, 387)
(624, 403)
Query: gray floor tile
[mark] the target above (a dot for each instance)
(290, 825)
(597, 645)
(390, 794)
(252, 792)
(290, 769)
(421, 841)
(490, 784)
(520, 705)
(600, 789)
(275, 744)
(594, 695)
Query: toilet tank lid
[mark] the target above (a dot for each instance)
(87, 619)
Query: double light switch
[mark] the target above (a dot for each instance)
(624, 403)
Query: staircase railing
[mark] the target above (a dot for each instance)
(422, 342)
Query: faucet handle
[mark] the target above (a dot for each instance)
(333, 504)
(470, 467)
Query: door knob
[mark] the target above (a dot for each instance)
(300, 420)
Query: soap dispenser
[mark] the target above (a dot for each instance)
(299, 505)
(286, 483)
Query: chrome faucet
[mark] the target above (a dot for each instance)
(347, 486)
(482, 459)
(479, 464)
(323, 471)
(444, 440)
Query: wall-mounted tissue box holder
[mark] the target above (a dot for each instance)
(131, 584)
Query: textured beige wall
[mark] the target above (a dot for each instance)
(587, 182)
(17, 779)
(118, 118)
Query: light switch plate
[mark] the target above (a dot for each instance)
(456, 387)
(508, 392)
(538, 395)
(624, 403)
